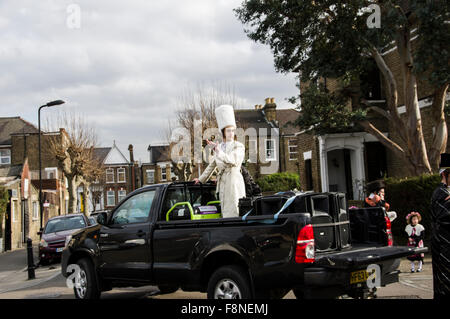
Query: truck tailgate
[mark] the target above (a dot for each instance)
(365, 256)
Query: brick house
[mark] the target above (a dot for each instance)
(19, 174)
(121, 176)
(159, 167)
(347, 161)
(21, 219)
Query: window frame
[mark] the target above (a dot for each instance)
(119, 197)
(35, 207)
(8, 156)
(146, 175)
(112, 174)
(51, 170)
(13, 211)
(289, 149)
(274, 157)
(165, 173)
(107, 197)
(119, 172)
(251, 149)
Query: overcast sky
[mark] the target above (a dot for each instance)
(125, 64)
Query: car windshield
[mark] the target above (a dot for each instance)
(66, 223)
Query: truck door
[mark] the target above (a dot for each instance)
(125, 242)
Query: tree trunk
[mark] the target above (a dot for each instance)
(86, 193)
(72, 189)
(414, 153)
(439, 144)
(416, 148)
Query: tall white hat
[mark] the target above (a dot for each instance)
(225, 116)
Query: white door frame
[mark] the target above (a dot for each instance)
(352, 141)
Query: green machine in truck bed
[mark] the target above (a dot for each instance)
(184, 210)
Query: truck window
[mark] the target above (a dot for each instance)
(173, 195)
(202, 196)
(136, 209)
(195, 195)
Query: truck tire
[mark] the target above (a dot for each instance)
(229, 282)
(88, 287)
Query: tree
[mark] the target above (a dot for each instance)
(196, 106)
(74, 151)
(334, 39)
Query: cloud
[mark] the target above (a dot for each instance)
(129, 62)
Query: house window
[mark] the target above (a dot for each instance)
(110, 175)
(35, 210)
(122, 194)
(14, 210)
(150, 176)
(163, 173)
(51, 172)
(270, 150)
(292, 146)
(110, 198)
(252, 151)
(121, 178)
(5, 156)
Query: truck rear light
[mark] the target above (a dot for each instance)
(305, 251)
(390, 238)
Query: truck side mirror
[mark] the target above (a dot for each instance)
(102, 218)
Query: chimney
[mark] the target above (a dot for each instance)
(270, 109)
(130, 149)
(132, 169)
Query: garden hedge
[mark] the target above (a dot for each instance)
(279, 182)
(407, 195)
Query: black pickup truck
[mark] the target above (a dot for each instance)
(171, 235)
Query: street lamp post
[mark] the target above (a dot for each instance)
(49, 104)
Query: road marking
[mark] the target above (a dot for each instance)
(410, 284)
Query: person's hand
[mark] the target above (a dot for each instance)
(214, 145)
(196, 180)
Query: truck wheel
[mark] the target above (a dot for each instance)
(229, 282)
(87, 288)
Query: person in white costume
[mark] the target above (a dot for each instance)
(227, 160)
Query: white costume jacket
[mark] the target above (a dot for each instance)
(230, 183)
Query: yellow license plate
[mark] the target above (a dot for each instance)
(358, 276)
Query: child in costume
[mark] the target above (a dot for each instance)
(416, 234)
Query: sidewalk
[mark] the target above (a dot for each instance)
(14, 270)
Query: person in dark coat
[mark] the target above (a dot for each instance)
(376, 191)
(440, 236)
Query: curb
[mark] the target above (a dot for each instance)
(31, 283)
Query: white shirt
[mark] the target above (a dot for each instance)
(419, 228)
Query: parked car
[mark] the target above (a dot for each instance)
(169, 235)
(55, 234)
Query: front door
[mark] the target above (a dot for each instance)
(125, 242)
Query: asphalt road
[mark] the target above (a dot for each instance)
(410, 286)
